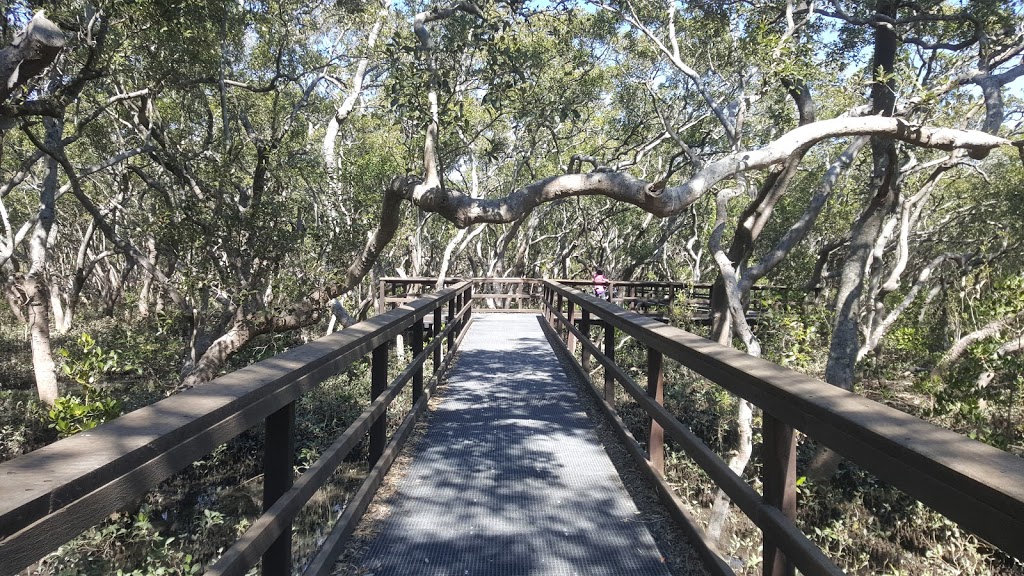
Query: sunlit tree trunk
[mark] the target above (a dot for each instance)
(36, 285)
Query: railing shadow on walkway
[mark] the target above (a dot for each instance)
(51, 495)
(975, 485)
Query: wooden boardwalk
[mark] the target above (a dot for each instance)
(511, 477)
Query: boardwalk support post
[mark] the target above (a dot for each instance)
(554, 318)
(609, 352)
(436, 331)
(779, 481)
(656, 390)
(417, 349)
(585, 329)
(570, 338)
(278, 461)
(378, 383)
(549, 300)
(451, 316)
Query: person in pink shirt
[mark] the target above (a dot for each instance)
(600, 284)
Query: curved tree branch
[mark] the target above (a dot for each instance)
(464, 210)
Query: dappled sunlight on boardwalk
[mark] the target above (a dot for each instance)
(511, 477)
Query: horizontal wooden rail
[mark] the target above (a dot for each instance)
(51, 495)
(524, 294)
(511, 294)
(978, 486)
(746, 498)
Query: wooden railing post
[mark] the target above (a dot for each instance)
(417, 349)
(460, 303)
(381, 308)
(779, 481)
(437, 330)
(469, 301)
(570, 338)
(451, 315)
(609, 351)
(585, 329)
(550, 299)
(378, 383)
(558, 307)
(656, 390)
(278, 463)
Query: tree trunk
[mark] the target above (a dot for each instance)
(36, 287)
(842, 355)
(14, 300)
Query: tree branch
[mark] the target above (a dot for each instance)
(464, 210)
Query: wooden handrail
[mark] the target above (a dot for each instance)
(51, 495)
(632, 294)
(978, 486)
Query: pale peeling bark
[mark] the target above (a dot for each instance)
(883, 197)
(744, 410)
(798, 231)
(446, 260)
(878, 331)
(958, 349)
(1014, 346)
(313, 308)
(737, 287)
(463, 210)
(431, 170)
(349, 103)
(36, 286)
(31, 51)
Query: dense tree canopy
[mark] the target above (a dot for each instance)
(238, 166)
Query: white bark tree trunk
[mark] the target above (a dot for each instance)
(36, 283)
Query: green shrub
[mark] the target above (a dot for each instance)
(72, 414)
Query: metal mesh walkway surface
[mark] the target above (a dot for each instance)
(510, 478)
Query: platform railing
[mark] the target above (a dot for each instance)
(51, 495)
(524, 295)
(492, 294)
(975, 485)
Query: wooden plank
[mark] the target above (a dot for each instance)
(482, 310)
(278, 476)
(656, 391)
(378, 384)
(975, 485)
(778, 473)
